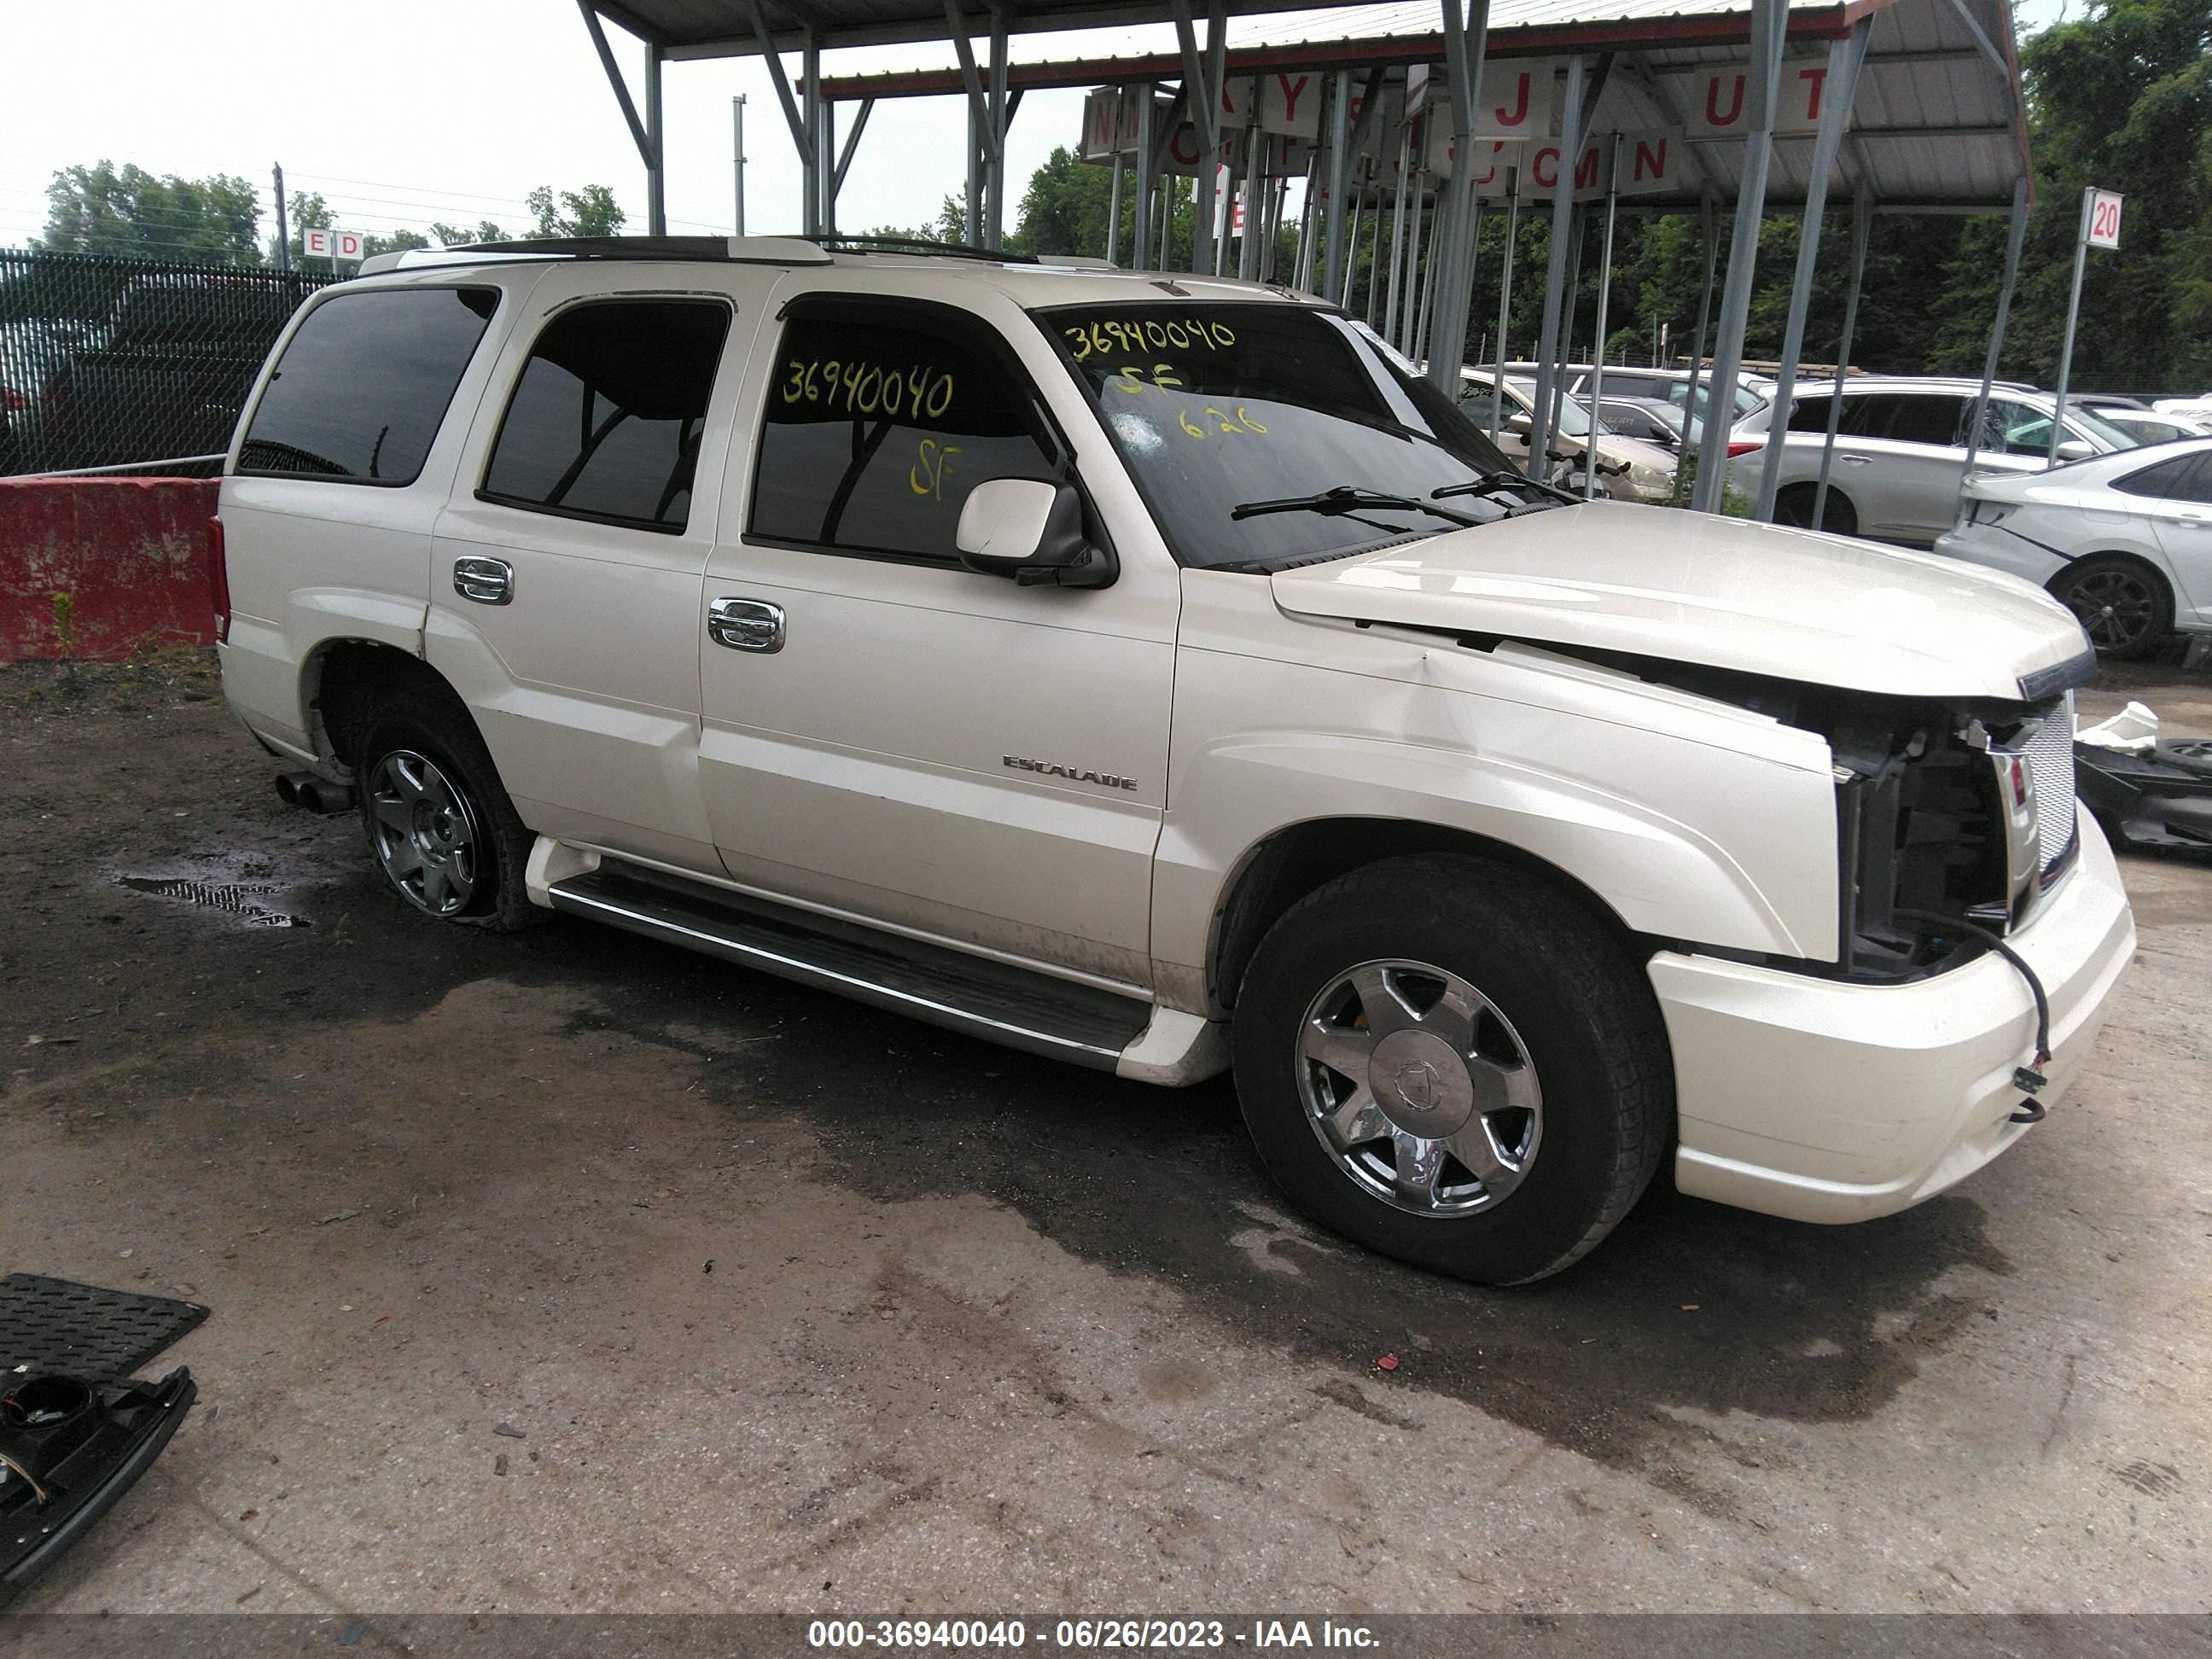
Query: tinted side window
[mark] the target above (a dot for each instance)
(1913, 417)
(604, 421)
(878, 426)
(362, 385)
(1811, 414)
(2184, 478)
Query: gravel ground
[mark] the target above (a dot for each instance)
(795, 1305)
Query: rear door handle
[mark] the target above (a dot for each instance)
(1854, 460)
(487, 582)
(745, 624)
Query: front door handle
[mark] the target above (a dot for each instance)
(745, 624)
(1854, 460)
(487, 582)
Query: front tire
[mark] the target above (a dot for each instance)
(2124, 606)
(1450, 1062)
(439, 825)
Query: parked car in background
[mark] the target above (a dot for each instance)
(1628, 468)
(2124, 542)
(15, 407)
(2148, 426)
(1672, 384)
(1650, 419)
(163, 376)
(1901, 450)
(2198, 409)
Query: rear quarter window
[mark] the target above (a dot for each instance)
(362, 385)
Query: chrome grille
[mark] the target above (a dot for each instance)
(2049, 751)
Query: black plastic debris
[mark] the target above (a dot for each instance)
(68, 1451)
(75, 1433)
(2161, 798)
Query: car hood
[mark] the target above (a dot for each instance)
(1689, 587)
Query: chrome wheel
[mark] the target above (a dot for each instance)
(1419, 1088)
(2115, 606)
(424, 831)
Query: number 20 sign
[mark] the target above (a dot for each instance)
(2102, 211)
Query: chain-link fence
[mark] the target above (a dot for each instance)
(124, 362)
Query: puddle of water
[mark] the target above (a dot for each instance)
(235, 897)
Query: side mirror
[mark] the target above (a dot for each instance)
(1519, 421)
(2074, 450)
(1032, 530)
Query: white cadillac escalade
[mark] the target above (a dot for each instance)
(1151, 672)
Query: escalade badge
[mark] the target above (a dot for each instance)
(1111, 780)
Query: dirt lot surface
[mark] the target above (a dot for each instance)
(791, 1305)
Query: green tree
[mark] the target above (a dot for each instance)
(591, 211)
(131, 213)
(448, 235)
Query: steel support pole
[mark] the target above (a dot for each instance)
(1429, 280)
(1253, 237)
(1114, 206)
(1769, 22)
(1204, 104)
(737, 154)
(1302, 260)
(1707, 214)
(1838, 89)
(1505, 296)
(1861, 220)
(1140, 245)
(656, 168)
(2073, 316)
(1340, 134)
(1408, 302)
(1998, 325)
(1563, 209)
(1398, 229)
(1577, 229)
(1467, 45)
(1604, 300)
(994, 228)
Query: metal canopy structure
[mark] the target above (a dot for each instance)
(1904, 106)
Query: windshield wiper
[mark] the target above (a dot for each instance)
(1491, 482)
(1345, 499)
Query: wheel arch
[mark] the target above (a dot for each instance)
(340, 681)
(1294, 860)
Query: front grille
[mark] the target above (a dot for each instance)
(2049, 751)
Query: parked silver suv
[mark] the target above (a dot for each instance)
(1901, 450)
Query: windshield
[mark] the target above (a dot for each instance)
(1216, 406)
(2113, 437)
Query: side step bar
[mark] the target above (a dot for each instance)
(985, 999)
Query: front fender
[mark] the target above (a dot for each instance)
(1687, 820)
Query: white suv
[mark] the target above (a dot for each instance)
(1149, 672)
(1901, 450)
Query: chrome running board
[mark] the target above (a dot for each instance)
(990, 999)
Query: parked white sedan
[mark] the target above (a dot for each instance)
(2123, 541)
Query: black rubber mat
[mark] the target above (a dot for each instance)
(52, 1325)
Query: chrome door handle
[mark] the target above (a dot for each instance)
(745, 624)
(487, 582)
(1854, 460)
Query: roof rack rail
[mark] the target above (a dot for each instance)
(922, 245)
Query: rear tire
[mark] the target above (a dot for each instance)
(439, 825)
(1518, 1091)
(1794, 506)
(2122, 604)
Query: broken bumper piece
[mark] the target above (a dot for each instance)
(68, 1449)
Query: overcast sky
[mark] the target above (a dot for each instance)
(403, 111)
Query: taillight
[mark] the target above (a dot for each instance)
(1739, 446)
(219, 581)
(12, 401)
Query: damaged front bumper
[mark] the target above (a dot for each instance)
(1823, 1100)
